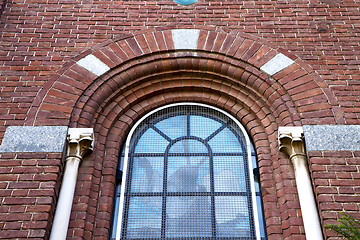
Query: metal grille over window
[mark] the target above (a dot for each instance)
(188, 177)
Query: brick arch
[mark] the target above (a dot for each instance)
(146, 71)
(241, 84)
(98, 173)
(96, 177)
(314, 101)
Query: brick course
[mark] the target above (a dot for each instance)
(336, 181)
(29, 186)
(38, 38)
(41, 84)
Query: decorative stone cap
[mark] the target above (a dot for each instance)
(80, 142)
(291, 140)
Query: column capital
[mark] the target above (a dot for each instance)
(80, 142)
(291, 141)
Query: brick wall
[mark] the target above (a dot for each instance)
(40, 41)
(38, 37)
(336, 178)
(29, 183)
(2, 5)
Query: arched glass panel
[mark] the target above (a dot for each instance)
(188, 173)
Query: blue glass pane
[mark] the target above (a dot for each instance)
(147, 140)
(188, 146)
(197, 128)
(260, 215)
(188, 174)
(144, 219)
(173, 127)
(185, 188)
(185, 2)
(229, 174)
(188, 217)
(147, 174)
(232, 216)
(225, 141)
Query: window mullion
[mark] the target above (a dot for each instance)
(164, 196)
(127, 190)
(212, 189)
(249, 196)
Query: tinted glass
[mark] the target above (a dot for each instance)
(188, 177)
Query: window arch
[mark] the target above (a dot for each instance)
(188, 173)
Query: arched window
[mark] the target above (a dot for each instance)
(188, 173)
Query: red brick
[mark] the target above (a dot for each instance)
(40, 46)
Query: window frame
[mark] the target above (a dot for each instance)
(126, 160)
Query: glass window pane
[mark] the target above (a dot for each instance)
(225, 141)
(188, 217)
(186, 174)
(188, 146)
(173, 127)
(200, 153)
(229, 174)
(232, 216)
(260, 215)
(144, 217)
(147, 174)
(147, 140)
(197, 128)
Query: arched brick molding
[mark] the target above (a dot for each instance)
(146, 71)
(299, 80)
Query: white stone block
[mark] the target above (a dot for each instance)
(94, 65)
(276, 64)
(185, 38)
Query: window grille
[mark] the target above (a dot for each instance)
(188, 177)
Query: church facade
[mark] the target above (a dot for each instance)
(178, 119)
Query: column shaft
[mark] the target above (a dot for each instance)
(80, 141)
(63, 209)
(307, 200)
(291, 142)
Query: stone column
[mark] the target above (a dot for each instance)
(79, 145)
(291, 142)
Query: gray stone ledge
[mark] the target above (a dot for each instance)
(332, 137)
(34, 139)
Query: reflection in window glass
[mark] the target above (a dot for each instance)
(188, 216)
(186, 146)
(229, 174)
(188, 177)
(197, 124)
(144, 217)
(147, 174)
(226, 142)
(146, 146)
(232, 216)
(174, 127)
(186, 174)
